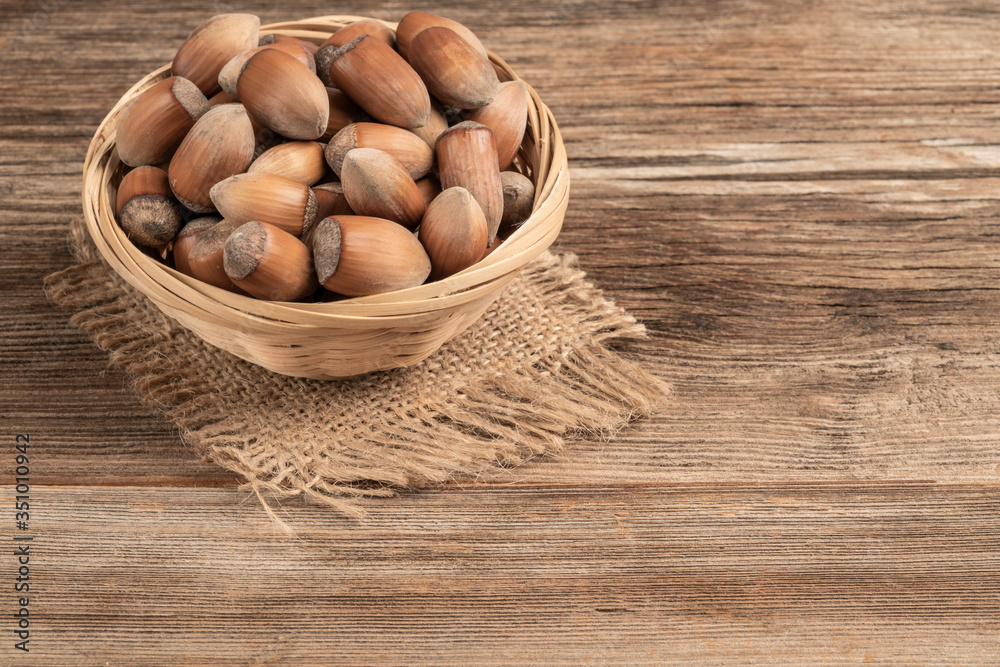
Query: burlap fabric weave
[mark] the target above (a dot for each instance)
(532, 371)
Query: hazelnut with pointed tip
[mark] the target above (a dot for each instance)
(153, 125)
(377, 79)
(416, 22)
(453, 232)
(360, 256)
(211, 45)
(467, 157)
(219, 145)
(415, 155)
(230, 73)
(285, 203)
(298, 160)
(284, 95)
(268, 263)
(376, 184)
(453, 71)
(507, 116)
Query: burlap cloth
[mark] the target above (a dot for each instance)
(530, 373)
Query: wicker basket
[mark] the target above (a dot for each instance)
(342, 338)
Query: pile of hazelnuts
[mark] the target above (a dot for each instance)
(288, 170)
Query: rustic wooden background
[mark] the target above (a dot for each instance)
(799, 199)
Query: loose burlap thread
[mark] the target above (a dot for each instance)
(531, 372)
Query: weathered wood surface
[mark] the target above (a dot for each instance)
(798, 199)
(554, 576)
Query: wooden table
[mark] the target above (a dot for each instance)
(800, 201)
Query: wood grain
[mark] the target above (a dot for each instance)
(557, 576)
(799, 201)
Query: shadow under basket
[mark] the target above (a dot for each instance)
(342, 338)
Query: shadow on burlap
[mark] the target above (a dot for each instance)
(531, 372)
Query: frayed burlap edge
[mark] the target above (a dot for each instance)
(492, 423)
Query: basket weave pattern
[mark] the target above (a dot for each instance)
(343, 338)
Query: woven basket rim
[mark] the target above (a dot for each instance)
(170, 288)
